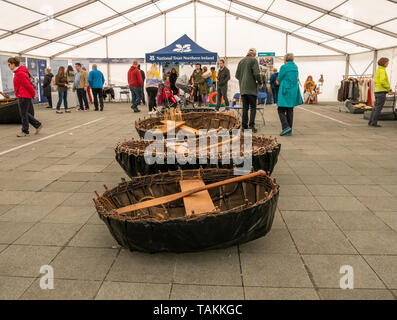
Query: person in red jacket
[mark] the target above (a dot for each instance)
(25, 92)
(135, 83)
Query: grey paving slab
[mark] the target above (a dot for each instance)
(74, 215)
(2, 247)
(63, 290)
(294, 190)
(391, 188)
(358, 220)
(83, 263)
(218, 267)
(325, 270)
(24, 185)
(11, 231)
(79, 200)
(133, 291)
(338, 203)
(197, 292)
(287, 179)
(328, 190)
(12, 288)
(26, 261)
(312, 220)
(374, 242)
(274, 270)
(93, 236)
(318, 180)
(141, 267)
(304, 203)
(53, 199)
(5, 208)
(276, 241)
(26, 213)
(385, 267)
(389, 217)
(63, 186)
(326, 241)
(355, 294)
(380, 203)
(259, 293)
(353, 180)
(77, 176)
(49, 234)
(14, 197)
(367, 190)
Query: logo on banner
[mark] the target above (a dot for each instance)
(151, 58)
(184, 48)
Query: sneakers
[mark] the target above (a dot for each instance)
(39, 129)
(136, 110)
(254, 130)
(289, 134)
(59, 112)
(68, 111)
(22, 134)
(285, 131)
(86, 109)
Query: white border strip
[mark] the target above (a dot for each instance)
(329, 118)
(49, 137)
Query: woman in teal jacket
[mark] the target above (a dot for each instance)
(289, 95)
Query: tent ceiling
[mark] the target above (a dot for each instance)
(55, 27)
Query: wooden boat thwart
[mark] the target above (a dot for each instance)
(223, 213)
(192, 120)
(131, 156)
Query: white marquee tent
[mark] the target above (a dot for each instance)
(332, 37)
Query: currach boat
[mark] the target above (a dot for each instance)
(9, 112)
(193, 121)
(131, 156)
(189, 210)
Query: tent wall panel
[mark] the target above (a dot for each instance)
(360, 62)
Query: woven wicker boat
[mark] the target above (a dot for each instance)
(9, 112)
(196, 120)
(131, 157)
(243, 211)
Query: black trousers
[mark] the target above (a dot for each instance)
(49, 99)
(380, 99)
(222, 92)
(249, 102)
(82, 96)
(197, 95)
(286, 117)
(98, 94)
(152, 95)
(275, 94)
(143, 95)
(24, 105)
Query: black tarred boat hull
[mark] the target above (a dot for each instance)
(9, 113)
(206, 233)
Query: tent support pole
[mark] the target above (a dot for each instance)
(165, 29)
(375, 62)
(286, 43)
(195, 21)
(347, 68)
(107, 58)
(225, 34)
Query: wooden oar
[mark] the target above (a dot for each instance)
(180, 195)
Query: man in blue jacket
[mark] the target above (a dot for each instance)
(289, 95)
(96, 81)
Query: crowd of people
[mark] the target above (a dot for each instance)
(80, 81)
(284, 85)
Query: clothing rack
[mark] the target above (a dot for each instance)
(342, 105)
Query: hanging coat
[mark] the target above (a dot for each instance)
(289, 95)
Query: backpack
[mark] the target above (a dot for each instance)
(32, 82)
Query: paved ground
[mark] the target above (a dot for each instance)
(338, 206)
